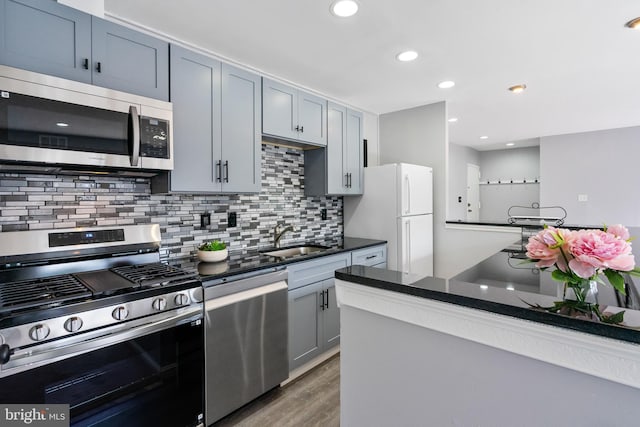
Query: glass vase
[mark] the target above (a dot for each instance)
(584, 292)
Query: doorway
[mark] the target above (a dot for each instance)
(473, 193)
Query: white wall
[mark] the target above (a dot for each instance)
(419, 135)
(505, 165)
(459, 157)
(602, 165)
(94, 7)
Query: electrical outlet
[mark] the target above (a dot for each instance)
(323, 214)
(232, 220)
(205, 219)
(583, 198)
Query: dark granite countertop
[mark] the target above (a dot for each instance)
(505, 284)
(252, 260)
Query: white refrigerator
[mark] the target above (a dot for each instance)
(396, 206)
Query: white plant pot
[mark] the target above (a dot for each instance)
(213, 256)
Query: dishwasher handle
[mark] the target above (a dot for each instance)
(214, 303)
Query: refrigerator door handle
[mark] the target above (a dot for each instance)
(407, 268)
(408, 181)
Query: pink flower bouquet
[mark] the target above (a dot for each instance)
(580, 258)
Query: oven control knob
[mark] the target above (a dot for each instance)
(182, 299)
(159, 304)
(73, 324)
(39, 332)
(120, 313)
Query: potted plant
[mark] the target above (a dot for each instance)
(213, 251)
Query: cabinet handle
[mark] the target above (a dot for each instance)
(371, 257)
(327, 299)
(322, 302)
(219, 171)
(226, 171)
(346, 180)
(301, 128)
(85, 63)
(297, 128)
(349, 180)
(99, 66)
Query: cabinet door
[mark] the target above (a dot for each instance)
(45, 37)
(241, 142)
(312, 118)
(195, 94)
(279, 110)
(126, 60)
(330, 316)
(305, 340)
(336, 135)
(353, 151)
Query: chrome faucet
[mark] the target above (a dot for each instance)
(277, 233)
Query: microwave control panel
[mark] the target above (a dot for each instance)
(154, 138)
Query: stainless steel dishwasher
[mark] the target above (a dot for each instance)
(246, 339)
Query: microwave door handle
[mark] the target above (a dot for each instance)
(134, 143)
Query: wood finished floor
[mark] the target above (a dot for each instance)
(311, 400)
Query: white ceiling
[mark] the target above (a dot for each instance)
(579, 62)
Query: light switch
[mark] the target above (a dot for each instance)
(583, 198)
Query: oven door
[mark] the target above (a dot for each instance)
(147, 376)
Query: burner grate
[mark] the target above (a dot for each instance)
(154, 274)
(37, 292)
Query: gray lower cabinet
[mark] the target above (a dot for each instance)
(314, 318)
(292, 114)
(50, 38)
(337, 169)
(375, 256)
(216, 127)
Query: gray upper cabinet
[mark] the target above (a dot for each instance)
(129, 61)
(337, 169)
(46, 37)
(216, 127)
(196, 99)
(292, 114)
(241, 142)
(50, 38)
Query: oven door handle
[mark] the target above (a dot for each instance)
(30, 357)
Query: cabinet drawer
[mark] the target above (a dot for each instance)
(306, 272)
(370, 256)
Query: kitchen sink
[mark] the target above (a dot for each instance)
(293, 251)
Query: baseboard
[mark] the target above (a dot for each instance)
(298, 372)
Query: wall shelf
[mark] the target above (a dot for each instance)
(511, 181)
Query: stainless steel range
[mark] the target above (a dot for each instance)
(90, 317)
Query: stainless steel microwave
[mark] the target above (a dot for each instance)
(46, 120)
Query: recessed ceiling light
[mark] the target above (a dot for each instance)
(453, 120)
(406, 56)
(510, 288)
(634, 24)
(62, 124)
(344, 8)
(485, 287)
(484, 137)
(510, 144)
(518, 88)
(446, 84)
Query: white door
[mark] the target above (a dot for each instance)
(416, 190)
(473, 193)
(415, 245)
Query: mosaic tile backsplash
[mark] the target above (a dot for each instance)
(29, 202)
